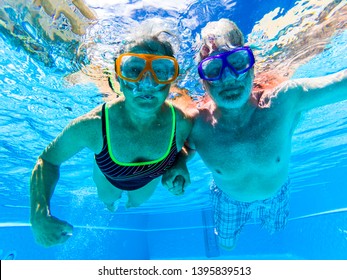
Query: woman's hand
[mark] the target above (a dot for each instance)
(177, 178)
(49, 231)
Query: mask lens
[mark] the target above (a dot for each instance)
(240, 61)
(131, 66)
(212, 68)
(164, 69)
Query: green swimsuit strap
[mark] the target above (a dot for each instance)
(146, 162)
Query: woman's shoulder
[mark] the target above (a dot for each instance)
(96, 113)
(91, 121)
(182, 116)
(90, 117)
(184, 123)
(185, 114)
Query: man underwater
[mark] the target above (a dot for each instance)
(245, 137)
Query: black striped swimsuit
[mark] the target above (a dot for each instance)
(133, 176)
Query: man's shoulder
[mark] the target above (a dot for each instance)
(203, 118)
(282, 94)
(203, 112)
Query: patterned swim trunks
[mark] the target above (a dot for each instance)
(231, 215)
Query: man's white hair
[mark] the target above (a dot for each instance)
(219, 34)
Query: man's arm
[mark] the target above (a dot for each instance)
(320, 91)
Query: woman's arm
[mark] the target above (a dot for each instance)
(47, 229)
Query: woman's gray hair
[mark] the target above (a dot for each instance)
(152, 35)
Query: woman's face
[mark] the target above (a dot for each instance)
(149, 69)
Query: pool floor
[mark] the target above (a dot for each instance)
(318, 237)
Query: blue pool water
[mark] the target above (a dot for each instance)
(36, 102)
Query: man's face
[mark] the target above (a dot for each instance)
(230, 93)
(232, 77)
(230, 90)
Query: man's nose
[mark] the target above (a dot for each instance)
(228, 73)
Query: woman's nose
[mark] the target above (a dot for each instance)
(147, 79)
